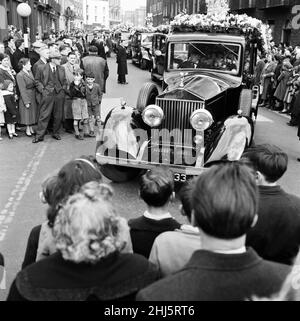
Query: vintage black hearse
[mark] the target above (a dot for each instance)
(204, 113)
(141, 49)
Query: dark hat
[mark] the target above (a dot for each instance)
(54, 55)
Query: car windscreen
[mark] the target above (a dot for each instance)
(205, 55)
(147, 38)
(125, 36)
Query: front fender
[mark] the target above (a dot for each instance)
(236, 136)
(118, 134)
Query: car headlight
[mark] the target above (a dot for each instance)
(201, 119)
(153, 115)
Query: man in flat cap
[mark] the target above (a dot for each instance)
(52, 85)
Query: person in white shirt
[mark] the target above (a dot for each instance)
(171, 251)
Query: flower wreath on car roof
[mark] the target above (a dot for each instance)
(254, 30)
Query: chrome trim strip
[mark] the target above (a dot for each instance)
(189, 171)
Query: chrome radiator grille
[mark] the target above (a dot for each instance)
(177, 117)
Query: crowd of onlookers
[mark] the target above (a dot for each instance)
(61, 81)
(240, 240)
(278, 75)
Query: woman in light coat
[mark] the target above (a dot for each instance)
(27, 102)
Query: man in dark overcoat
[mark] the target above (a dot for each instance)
(52, 85)
(122, 64)
(100, 46)
(96, 65)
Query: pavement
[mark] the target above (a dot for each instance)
(24, 166)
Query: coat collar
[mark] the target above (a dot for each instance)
(28, 75)
(8, 73)
(226, 262)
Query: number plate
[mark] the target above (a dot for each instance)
(181, 178)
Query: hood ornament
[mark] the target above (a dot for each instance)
(182, 78)
(123, 104)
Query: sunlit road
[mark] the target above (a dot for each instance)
(24, 166)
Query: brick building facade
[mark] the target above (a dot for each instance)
(165, 10)
(281, 15)
(45, 16)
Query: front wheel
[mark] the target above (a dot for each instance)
(147, 96)
(119, 174)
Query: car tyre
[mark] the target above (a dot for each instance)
(147, 96)
(119, 174)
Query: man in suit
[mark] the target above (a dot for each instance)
(64, 51)
(44, 57)
(122, 64)
(276, 236)
(225, 204)
(10, 46)
(70, 68)
(51, 84)
(96, 65)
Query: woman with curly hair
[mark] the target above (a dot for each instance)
(67, 182)
(89, 264)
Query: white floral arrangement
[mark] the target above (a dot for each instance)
(122, 28)
(253, 29)
(148, 29)
(166, 29)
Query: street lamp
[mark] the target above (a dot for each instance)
(24, 11)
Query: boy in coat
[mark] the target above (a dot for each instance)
(94, 99)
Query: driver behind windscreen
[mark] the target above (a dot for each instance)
(192, 62)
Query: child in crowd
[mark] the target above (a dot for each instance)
(2, 109)
(79, 104)
(94, 98)
(156, 190)
(286, 73)
(171, 251)
(11, 114)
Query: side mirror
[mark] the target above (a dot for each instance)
(158, 53)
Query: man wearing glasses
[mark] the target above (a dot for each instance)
(52, 84)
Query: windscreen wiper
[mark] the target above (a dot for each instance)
(230, 50)
(202, 53)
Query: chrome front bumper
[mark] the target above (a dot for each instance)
(188, 171)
